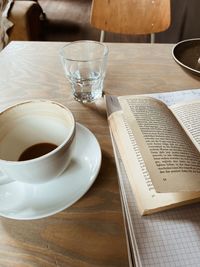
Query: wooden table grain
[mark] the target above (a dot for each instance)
(90, 232)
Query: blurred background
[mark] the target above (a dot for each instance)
(69, 20)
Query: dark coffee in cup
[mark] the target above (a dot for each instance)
(36, 151)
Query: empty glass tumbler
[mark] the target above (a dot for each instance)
(84, 65)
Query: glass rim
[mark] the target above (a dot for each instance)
(105, 53)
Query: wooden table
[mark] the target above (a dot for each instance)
(90, 232)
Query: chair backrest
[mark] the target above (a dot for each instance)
(131, 16)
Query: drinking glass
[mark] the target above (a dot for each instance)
(84, 65)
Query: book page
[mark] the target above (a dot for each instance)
(170, 157)
(148, 200)
(188, 115)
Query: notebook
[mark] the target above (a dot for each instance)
(168, 238)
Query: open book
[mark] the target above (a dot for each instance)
(160, 149)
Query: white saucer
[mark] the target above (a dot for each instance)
(26, 202)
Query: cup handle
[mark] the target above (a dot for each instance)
(4, 179)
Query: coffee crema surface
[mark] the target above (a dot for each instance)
(36, 151)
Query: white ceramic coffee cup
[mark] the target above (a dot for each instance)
(33, 122)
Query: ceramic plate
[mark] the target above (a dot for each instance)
(26, 202)
(187, 54)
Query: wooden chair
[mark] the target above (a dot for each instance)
(130, 16)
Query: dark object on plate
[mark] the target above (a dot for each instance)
(187, 54)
